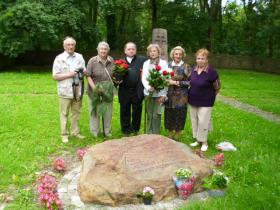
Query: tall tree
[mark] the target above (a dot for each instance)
(154, 13)
(213, 9)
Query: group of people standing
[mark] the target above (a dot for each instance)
(194, 87)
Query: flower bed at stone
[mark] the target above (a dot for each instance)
(48, 194)
(48, 183)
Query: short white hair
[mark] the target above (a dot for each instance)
(177, 48)
(149, 48)
(67, 38)
(103, 44)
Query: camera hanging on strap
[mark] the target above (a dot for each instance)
(76, 82)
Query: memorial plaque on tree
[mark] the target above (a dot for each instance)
(160, 38)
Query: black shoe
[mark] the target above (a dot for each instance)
(126, 133)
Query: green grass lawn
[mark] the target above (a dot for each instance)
(29, 135)
(258, 89)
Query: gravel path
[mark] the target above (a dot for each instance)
(249, 108)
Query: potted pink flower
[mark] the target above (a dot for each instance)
(147, 195)
(185, 189)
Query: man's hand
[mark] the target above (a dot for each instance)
(72, 73)
(60, 77)
(118, 82)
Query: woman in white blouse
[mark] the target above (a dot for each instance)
(154, 104)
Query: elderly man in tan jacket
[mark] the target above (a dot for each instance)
(68, 71)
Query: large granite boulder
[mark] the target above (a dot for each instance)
(114, 171)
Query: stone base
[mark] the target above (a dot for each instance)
(68, 193)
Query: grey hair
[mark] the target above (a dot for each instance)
(177, 48)
(153, 46)
(68, 38)
(104, 44)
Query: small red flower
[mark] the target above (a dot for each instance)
(219, 159)
(172, 73)
(165, 72)
(119, 61)
(124, 65)
(59, 164)
(81, 153)
(158, 68)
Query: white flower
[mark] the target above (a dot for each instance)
(184, 173)
(148, 189)
(217, 172)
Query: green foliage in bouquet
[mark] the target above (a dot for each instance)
(102, 93)
(217, 181)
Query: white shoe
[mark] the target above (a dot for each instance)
(79, 136)
(65, 139)
(204, 147)
(195, 144)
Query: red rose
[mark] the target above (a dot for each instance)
(59, 164)
(124, 65)
(158, 68)
(172, 73)
(118, 62)
(165, 72)
(219, 159)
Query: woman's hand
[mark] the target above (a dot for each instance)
(151, 90)
(173, 82)
(160, 100)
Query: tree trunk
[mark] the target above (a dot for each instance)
(154, 13)
(94, 12)
(214, 13)
(111, 30)
(122, 28)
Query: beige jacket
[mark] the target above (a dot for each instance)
(63, 63)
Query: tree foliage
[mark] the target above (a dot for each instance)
(246, 27)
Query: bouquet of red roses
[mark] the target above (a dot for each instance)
(121, 69)
(158, 79)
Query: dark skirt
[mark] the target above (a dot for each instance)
(175, 118)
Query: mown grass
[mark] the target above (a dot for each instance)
(29, 135)
(258, 89)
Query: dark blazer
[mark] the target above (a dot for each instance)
(135, 65)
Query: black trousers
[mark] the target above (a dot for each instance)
(130, 121)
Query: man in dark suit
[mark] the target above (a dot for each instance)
(131, 91)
